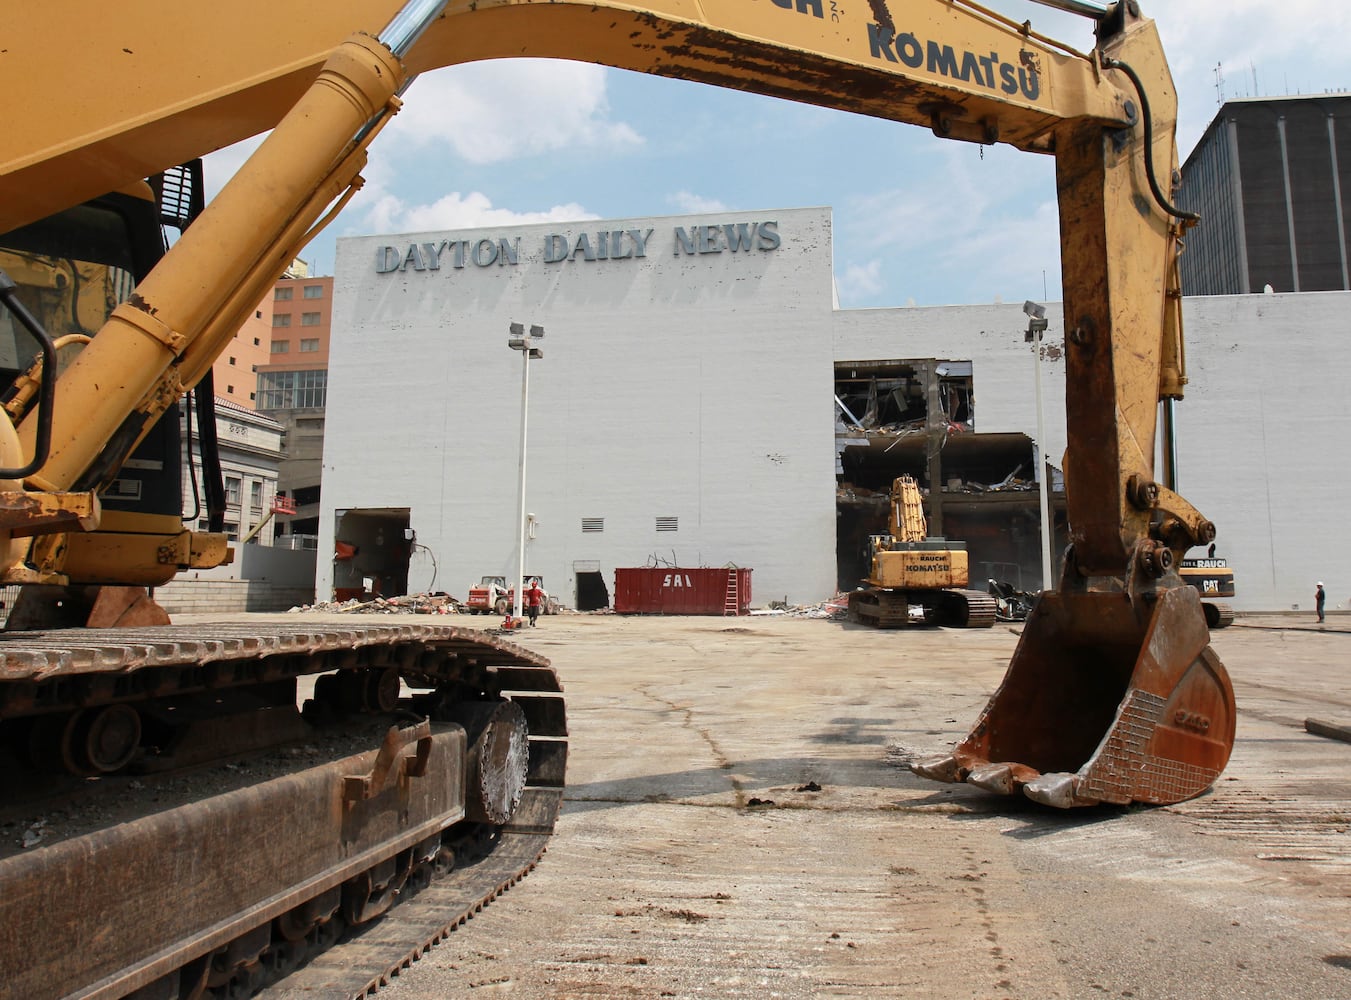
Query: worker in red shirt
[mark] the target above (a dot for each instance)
(534, 597)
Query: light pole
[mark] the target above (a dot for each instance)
(1036, 326)
(528, 345)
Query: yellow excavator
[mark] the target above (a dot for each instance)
(1213, 578)
(1113, 694)
(908, 571)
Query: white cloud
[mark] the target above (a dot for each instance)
(859, 280)
(390, 214)
(685, 201)
(493, 111)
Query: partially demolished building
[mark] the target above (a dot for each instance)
(702, 403)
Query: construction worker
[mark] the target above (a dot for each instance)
(534, 597)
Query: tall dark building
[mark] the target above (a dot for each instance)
(1271, 178)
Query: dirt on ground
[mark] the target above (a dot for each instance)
(740, 822)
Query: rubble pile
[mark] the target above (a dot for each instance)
(836, 609)
(418, 604)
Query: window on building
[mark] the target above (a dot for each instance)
(292, 390)
(255, 494)
(253, 396)
(281, 319)
(282, 294)
(668, 524)
(314, 291)
(281, 347)
(229, 390)
(309, 346)
(256, 342)
(232, 485)
(593, 524)
(232, 531)
(258, 314)
(309, 319)
(232, 360)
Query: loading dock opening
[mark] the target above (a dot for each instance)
(592, 594)
(372, 548)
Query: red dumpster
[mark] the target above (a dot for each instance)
(658, 590)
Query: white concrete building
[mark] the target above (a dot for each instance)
(683, 411)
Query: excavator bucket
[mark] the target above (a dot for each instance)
(1106, 700)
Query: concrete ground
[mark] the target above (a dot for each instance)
(696, 857)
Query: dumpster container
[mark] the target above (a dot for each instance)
(658, 590)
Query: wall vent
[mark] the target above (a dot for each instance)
(593, 524)
(668, 524)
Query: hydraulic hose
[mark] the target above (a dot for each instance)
(1148, 120)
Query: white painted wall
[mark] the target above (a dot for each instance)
(1264, 434)
(1265, 441)
(694, 386)
(700, 387)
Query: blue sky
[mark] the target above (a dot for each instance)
(917, 220)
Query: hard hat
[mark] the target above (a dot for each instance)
(1320, 583)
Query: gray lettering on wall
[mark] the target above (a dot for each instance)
(583, 247)
(617, 244)
(555, 248)
(736, 237)
(431, 253)
(562, 248)
(639, 241)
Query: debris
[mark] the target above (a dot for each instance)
(1011, 605)
(754, 802)
(810, 786)
(419, 604)
(836, 609)
(1331, 730)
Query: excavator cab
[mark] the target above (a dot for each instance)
(70, 271)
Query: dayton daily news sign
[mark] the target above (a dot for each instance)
(561, 248)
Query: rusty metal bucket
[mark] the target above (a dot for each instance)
(1107, 699)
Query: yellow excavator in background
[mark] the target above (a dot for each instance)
(909, 570)
(1213, 578)
(1113, 694)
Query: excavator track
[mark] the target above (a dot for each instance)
(882, 608)
(359, 968)
(1218, 614)
(966, 609)
(234, 889)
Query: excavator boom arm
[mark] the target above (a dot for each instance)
(166, 88)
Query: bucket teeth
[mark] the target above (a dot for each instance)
(1109, 697)
(1054, 790)
(1001, 779)
(942, 768)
